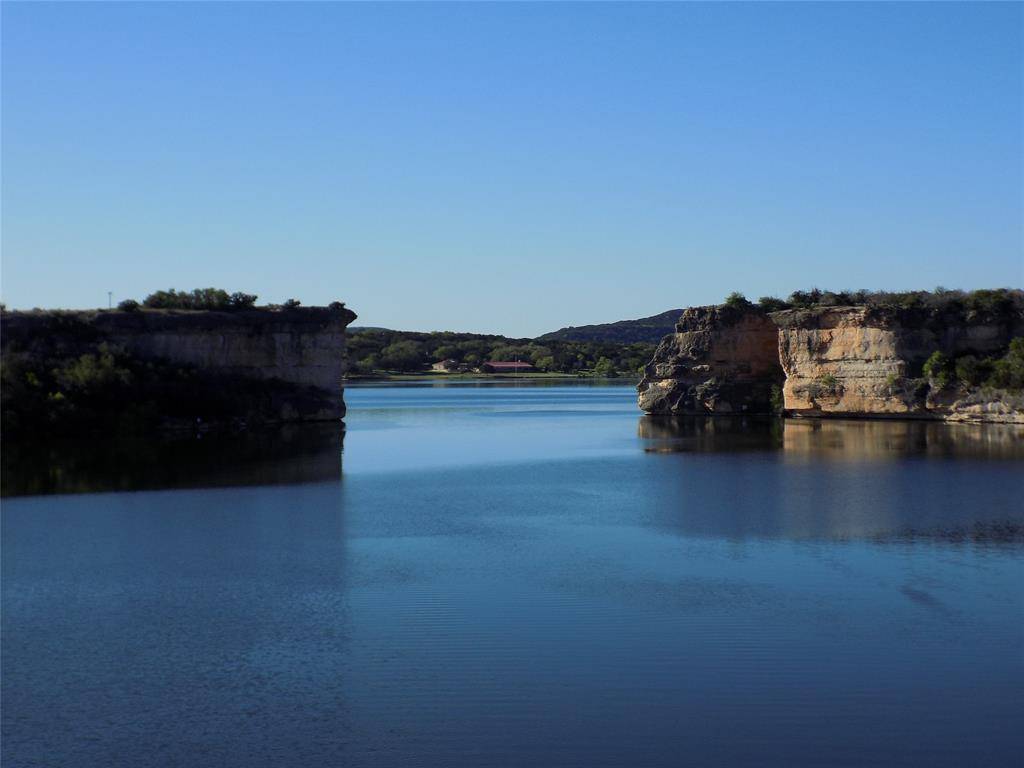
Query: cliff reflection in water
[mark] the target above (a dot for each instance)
(301, 453)
(836, 480)
(849, 439)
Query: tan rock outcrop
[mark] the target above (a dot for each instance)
(854, 361)
(867, 361)
(843, 361)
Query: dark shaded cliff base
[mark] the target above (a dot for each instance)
(867, 361)
(110, 372)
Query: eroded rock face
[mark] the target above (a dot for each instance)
(719, 360)
(859, 361)
(828, 361)
(842, 360)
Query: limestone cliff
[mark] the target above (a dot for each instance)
(295, 357)
(719, 360)
(828, 361)
(857, 361)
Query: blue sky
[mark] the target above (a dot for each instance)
(509, 168)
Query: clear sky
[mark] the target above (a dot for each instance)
(509, 168)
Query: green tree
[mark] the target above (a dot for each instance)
(939, 369)
(1008, 372)
(605, 367)
(239, 300)
(447, 352)
(737, 300)
(970, 370)
(198, 298)
(403, 356)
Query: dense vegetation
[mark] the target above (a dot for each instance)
(375, 350)
(940, 302)
(216, 299)
(1006, 372)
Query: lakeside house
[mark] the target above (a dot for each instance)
(505, 367)
(445, 366)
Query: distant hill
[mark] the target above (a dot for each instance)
(646, 329)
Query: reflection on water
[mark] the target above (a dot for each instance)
(847, 439)
(517, 575)
(836, 479)
(851, 439)
(293, 454)
(700, 434)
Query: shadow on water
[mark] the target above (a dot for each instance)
(291, 454)
(840, 439)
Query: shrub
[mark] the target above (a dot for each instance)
(94, 372)
(1008, 372)
(128, 305)
(804, 299)
(291, 304)
(737, 300)
(336, 305)
(825, 385)
(939, 370)
(970, 370)
(198, 298)
(771, 304)
(239, 300)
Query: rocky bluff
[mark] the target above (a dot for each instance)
(720, 359)
(292, 358)
(842, 361)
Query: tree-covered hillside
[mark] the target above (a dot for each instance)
(649, 330)
(373, 351)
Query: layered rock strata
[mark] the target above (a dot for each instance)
(867, 361)
(827, 361)
(302, 347)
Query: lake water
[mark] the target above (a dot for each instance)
(518, 575)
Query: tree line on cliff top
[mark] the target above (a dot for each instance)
(985, 302)
(210, 299)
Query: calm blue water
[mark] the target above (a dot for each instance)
(521, 575)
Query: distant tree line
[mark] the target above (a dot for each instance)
(377, 350)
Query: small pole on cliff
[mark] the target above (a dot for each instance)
(110, 299)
